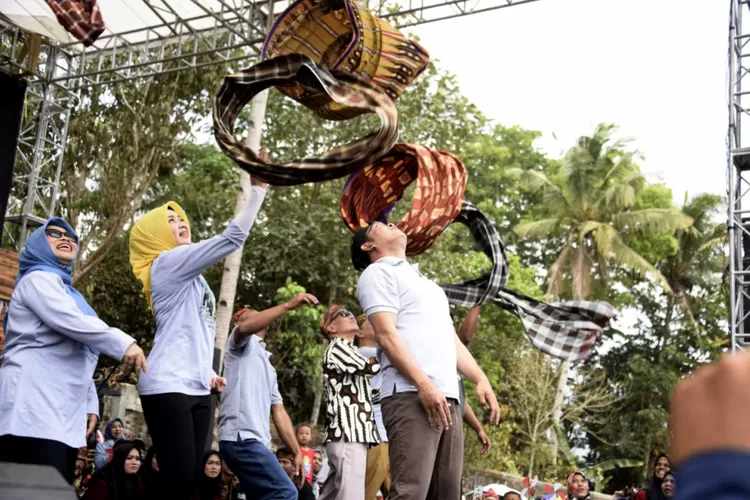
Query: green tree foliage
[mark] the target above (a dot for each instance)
(121, 139)
(591, 202)
(673, 333)
(616, 232)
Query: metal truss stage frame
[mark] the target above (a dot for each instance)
(738, 174)
(170, 36)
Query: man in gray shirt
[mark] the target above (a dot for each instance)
(420, 353)
(250, 398)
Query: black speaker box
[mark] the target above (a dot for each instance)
(13, 91)
(33, 482)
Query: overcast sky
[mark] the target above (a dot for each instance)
(657, 68)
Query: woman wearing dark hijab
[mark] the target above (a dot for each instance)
(208, 484)
(119, 479)
(653, 492)
(53, 339)
(668, 484)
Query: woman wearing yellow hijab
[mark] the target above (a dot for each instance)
(175, 391)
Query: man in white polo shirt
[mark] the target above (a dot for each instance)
(419, 353)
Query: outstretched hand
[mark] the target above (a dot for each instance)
(264, 157)
(300, 299)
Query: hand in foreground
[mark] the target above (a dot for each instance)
(91, 424)
(484, 440)
(300, 299)
(710, 409)
(134, 360)
(263, 156)
(218, 384)
(299, 470)
(437, 407)
(487, 399)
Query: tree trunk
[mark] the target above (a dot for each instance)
(318, 389)
(646, 459)
(562, 384)
(532, 452)
(317, 402)
(232, 263)
(671, 303)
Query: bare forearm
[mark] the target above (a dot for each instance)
(257, 322)
(400, 356)
(284, 427)
(466, 364)
(469, 325)
(471, 419)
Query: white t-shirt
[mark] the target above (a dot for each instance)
(423, 320)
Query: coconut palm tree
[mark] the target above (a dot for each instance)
(696, 257)
(589, 204)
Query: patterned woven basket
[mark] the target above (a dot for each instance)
(349, 39)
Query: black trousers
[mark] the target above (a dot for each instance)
(178, 425)
(28, 450)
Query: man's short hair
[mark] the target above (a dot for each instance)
(360, 258)
(508, 495)
(284, 452)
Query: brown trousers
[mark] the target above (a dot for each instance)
(426, 463)
(378, 476)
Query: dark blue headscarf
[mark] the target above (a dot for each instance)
(37, 255)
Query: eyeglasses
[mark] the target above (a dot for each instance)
(57, 234)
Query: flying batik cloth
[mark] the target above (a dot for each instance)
(344, 37)
(371, 193)
(237, 90)
(80, 18)
(565, 330)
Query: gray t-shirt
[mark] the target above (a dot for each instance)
(251, 390)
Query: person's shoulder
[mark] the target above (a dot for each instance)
(376, 271)
(40, 277)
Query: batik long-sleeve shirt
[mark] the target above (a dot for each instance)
(349, 409)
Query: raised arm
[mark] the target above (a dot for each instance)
(250, 322)
(45, 295)
(469, 325)
(187, 262)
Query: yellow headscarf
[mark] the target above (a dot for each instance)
(149, 237)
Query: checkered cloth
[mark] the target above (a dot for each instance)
(565, 330)
(80, 18)
(371, 193)
(237, 90)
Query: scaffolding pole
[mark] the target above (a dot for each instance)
(738, 174)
